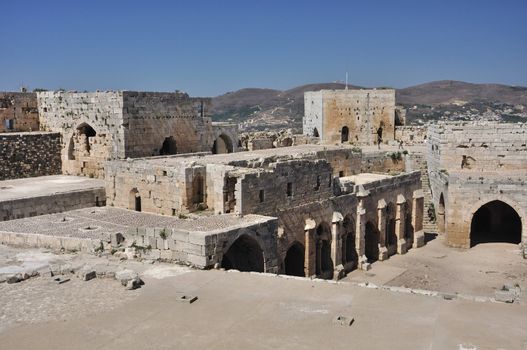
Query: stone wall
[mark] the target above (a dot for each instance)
(411, 135)
(352, 116)
(18, 112)
(56, 203)
(29, 154)
(472, 165)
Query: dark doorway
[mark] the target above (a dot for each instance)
(134, 202)
(294, 260)
(324, 264)
(222, 144)
(244, 254)
(495, 221)
(137, 203)
(197, 189)
(371, 238)
(344, 136)
(349, 253)
(315, 132)
(169, 146)
(441, 215)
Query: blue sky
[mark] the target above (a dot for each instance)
(211, 47)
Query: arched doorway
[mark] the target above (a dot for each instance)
(134, 200)
(169, 146)
(244, 254)
(440, 219)
(222, 144)
(349, 253)
(294, 260)
(315, 132)
(81, 141)
(344, 135)
(324, 264)
(371, 243)
(495, 221)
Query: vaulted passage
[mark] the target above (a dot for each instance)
(244, 255)
(496, 221)
(349, 253)
(223, 144)
(294, 260)
(371, 242)
(324, 264)
(169, 146)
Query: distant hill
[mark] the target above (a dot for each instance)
(448, 91)
(256, 108)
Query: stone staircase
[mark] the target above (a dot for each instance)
(417, 161)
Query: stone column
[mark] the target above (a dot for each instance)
(336, 244)
(310, 244)
(417, 218)
(381, 226)
(400, 224)
(362, 195)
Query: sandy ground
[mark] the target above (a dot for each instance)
(478, 271)
(252, 311)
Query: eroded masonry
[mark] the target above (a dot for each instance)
(149, 174)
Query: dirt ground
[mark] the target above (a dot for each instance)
(478, 271)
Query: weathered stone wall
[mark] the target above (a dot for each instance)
(472, 165)
(57, 203)
(29, 154)
(362, 112)
(18, 112)
(411, 135)
(382, 162)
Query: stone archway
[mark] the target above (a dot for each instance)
(344, 134)
(495, 221)
(349, 252)
(294, 260)
(134, 202)
(440, 218)
(244, 254)
(169, 146)
(80, 143)
(223, 144)
(371, 242)
(324, 263)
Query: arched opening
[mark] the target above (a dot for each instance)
(84, 133)
(324, 264)
(135, 200)
(349, 253)
(315, 132)
(244, 254)
(391, 237)
(197, 189)
(371, 243)
(294, 260)
(169, 146)
(344, 135)
(222, 144)
(495, 221)
(440, 218)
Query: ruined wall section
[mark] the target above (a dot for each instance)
(152, 117)
(312, 123)
(29, 154)
(411, 135)
(18, 112)
(75, 115)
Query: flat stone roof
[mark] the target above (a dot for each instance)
(364, 178)
(45, 186)
(100, 222)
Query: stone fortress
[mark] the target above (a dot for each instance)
(170, 184)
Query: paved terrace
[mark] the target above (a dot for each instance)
(100, 222)
(45, 186)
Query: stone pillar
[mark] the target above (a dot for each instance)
(336, 245)
(400, 224)
(417, 218)
(381, 226)
(362, 195)
(310, 244)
